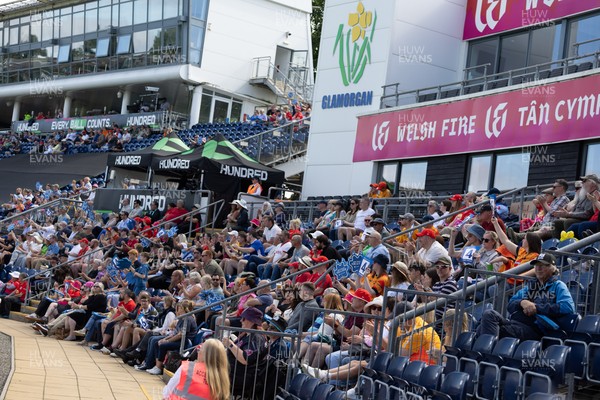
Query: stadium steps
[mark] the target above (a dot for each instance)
(19, 316)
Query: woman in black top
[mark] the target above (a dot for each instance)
(96, 302)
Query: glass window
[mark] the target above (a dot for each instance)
(479, 173)
(198, 9)
(126, 14)
(513, 52)
(102, 3)
(48, 28)
(78, 23)
(480, 53)
(63, 53)
(140, 11)
(104, 18)
(592, 160)
(91, 21)
(124, 44)
(387, 173)
(171, 9)
(24, 34)
(139, 42)
(155, 9)
(582, 30)
(236, 112)
(103, 47)
(14, 35)
(154, 39)
(89, 48)
(205, 108)
(77, 51)
(413, 175)
(545, 45)
(115, 15)
(36, 31)
(91, 5)
(196, 36)
(170, 37)
(511, 170)
(78, 8)
(65, 26)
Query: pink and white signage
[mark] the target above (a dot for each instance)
(487, 17)
(557, 112)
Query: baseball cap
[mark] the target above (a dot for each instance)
(591, 177)
(544, 258)
(407, 216)
(444, 260)
(456, 197)
(382, 260)
(316, 234)
(493, 191)
(427, 232)
(362, 294)
(382, 185)
(484, 208)
(233, 233)
(378, 221)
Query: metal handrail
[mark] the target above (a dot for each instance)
(286, 129)
(45, 205)
(452, 214)
(45, 272)
(469, 290)
(486, 79)
(304, 91)
(238, 295)
(577, 44)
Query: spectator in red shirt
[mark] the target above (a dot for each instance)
(304, 263)
(13, 301)
(175, 211)
(484, 218)
(125, 306)
(317, 273)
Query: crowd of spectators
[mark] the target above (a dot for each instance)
(131, 284)
(111, 139)
(280, 115)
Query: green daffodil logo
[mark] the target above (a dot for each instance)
(355, 45)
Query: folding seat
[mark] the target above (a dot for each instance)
(322, 391)
(308, 388)
(377, 365)
(473, 89)
(394, 371)
(337, 395)
(499, 84)
(587, 331)
(572, 68)
(463, 342)
(469, 362)
(556, 72)
(454, 387)
(294, 388)
(548, 372)
(410, 376)
(511, 374)
(544, 74)
(585, 66)
(429, 381)
(549, 244)
(489, 368)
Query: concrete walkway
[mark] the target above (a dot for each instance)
(49, 369)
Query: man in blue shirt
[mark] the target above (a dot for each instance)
(540, 307)
(255, 248)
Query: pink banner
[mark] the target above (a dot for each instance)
(557, 112)
(487, 17)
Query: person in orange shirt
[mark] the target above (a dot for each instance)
(416, 341)
(255, 188)
(374, 191)
(406, 221)
(383, 190)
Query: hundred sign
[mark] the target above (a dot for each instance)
(90, 123)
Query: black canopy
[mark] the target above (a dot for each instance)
(142, 159)
(217, 157)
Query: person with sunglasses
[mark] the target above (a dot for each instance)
(447, 285)
(347, 221)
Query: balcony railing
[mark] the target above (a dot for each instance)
(394, 97)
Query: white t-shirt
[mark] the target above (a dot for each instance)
(327, 330)
(269, 234)
(280, 251)
(435, 252)
(359, 221)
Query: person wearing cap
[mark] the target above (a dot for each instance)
(474, 237)
(583, 209)
(378, 224)
(319, 277)
(373, 191)
(377, 279)
(374, 245)
(484, 218)
(536, 309)
(399, 280)
(280, 218)
(456, 204)
(246, 353)
(13, 300)
(242, 223)
(587, 228)
(578, 195)
(255, 188)
(383, 190)
(321, 211)
(430, 250)
(406, 221)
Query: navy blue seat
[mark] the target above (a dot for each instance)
(337, 395)
(308, 388)
(549, 243)
(587, 330)
(366, 382)
(463, 342)
(322, 391)
(454, 387)
(294, 388)
(548, 372)
(394, 371)
(429, 381)
(469, 363)
(511, 374)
